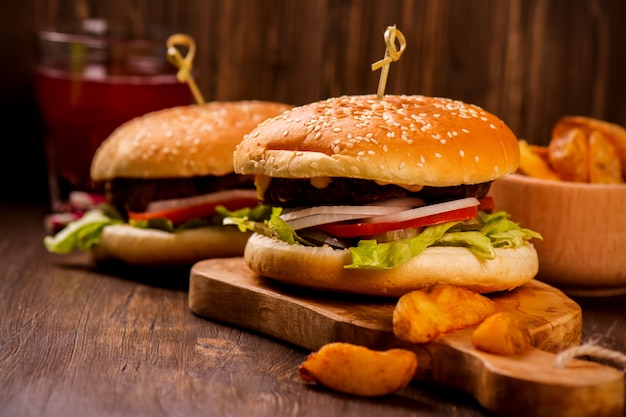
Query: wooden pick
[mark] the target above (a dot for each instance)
(184, 64)
(391, 54)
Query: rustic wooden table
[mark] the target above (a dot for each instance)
(77, 340)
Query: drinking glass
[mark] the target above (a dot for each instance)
(92, 77)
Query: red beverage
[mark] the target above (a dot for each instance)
(88, 88)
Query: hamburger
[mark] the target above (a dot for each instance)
(169, 181)
(382, 197)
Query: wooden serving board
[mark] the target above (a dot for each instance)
(225, 290)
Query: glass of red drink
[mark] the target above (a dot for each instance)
(92, 77)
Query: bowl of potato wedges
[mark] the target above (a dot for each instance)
(573, 192)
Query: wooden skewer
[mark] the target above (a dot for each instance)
(184, 64)
(391, 54)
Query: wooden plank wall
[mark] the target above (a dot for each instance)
(528, 61)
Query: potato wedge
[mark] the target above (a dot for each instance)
(615, 133)
(502, 334)
(358, 370)
(534, 162)
(569, 155)
(604, 163)
(420, 316)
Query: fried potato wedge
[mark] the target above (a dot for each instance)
(604, 163)
(615, 133)
(534, 161)
(502, 334)
(420, 316)
(358, 370)
(569, 155)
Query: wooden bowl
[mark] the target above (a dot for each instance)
(583, 251)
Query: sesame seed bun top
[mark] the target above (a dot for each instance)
(184, 141)
(404, 140)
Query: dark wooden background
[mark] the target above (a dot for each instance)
(528, 61)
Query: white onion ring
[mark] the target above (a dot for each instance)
(319, 219)
(424, 211)
(359, 211)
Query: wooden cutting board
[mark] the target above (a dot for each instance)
(225, 290)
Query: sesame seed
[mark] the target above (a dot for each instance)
(337, 130)
(285, 133)
(462, 153)
(437, 154)
(443, 141)
(492, 126)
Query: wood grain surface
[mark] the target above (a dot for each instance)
(78, 339)
(227, 291)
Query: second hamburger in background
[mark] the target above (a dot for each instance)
(169, 180)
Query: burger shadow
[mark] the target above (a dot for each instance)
(175, 278)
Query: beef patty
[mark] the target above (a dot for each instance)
(289, 192)
(134, 194)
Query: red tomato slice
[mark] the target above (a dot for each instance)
(371, 229)
(182, 214)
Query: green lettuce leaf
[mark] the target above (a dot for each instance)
(271, 226)
(497, 231)
(373, 255)
(85, 232)
(80, 234)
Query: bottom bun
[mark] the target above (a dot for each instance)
(323, 268)
(151, 247)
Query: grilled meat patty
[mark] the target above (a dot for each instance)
(134, 194)
(288, 192)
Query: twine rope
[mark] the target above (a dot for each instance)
(593, 350)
